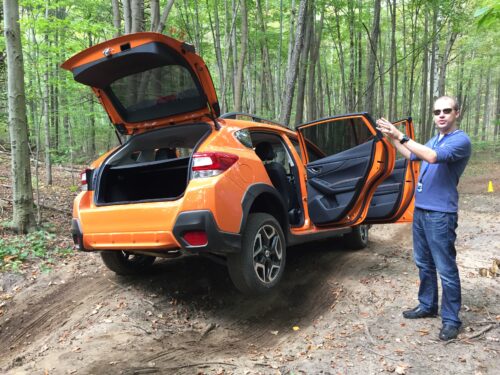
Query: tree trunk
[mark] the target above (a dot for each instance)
(127, 19)
(359, 59)
(316, 36)
(117, 23)
(405, 70)
(352, 60)
(216, 38)
(423, 87)
(267, 73)
(478, 105)
(291, 36)
(433, 75)
(381, 97)
(460, 86)
(46, 114)
(227, 42)
(23, 219)
(337, 41)
(302, 69)
(373, 44)
(486, 109)
(155, 14)
(444, 63)
(496, 124)
(137, 15)
(291, 76)
(278, 67)
(164, 16)
(411, 89)
(393, 69)
(238, 87)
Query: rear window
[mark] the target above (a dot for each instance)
(159, 92)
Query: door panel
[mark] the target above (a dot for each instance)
(346, 158)
(393, 199)
(334, 182)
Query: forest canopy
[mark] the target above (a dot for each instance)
(390, 58)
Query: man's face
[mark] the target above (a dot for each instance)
(445, 121)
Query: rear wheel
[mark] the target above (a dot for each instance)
(125, 263)
(259, 265)
(358, 238)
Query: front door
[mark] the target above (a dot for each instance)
(346, 158)
(394, 198)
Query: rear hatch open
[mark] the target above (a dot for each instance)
(147, 81)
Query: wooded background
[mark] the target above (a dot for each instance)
(290, 61)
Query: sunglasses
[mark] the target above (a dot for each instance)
(446, 111)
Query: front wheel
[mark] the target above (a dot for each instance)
(125, 263)
(358, 238)
(259, 265)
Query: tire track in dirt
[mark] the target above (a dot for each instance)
(309, 290)
(50, 312)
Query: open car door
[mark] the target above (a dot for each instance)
(393, 201)
(346, 158)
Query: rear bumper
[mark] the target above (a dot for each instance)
(219, 242)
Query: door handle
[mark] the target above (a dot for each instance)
(314, 169)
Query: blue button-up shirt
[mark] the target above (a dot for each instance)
(439, 181)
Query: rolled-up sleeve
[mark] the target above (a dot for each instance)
(455, 149)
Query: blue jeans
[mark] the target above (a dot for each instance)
(434, 248)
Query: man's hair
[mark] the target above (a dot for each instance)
(456, 107)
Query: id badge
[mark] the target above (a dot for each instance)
(419, 187)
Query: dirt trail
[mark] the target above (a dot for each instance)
(185, 317)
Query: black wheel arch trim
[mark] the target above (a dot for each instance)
(252, 193)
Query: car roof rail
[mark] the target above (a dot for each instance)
(235, 115)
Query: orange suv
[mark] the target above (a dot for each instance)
(235, 187)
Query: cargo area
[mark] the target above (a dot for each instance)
(150, 166)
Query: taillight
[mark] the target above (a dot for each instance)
(196, 238)
(86, 178)
(209, 164)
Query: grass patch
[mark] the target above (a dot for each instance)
(16, 250)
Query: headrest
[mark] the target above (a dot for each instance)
(264, 151)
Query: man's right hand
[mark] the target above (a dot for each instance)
(387, 128)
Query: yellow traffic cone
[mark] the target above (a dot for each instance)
(490, 187)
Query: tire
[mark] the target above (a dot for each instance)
(124, 263)
(358, 238)
(260, 264)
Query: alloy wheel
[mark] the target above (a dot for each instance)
(267, 254)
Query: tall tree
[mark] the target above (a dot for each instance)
(23, 219)
(373, 44)
(238, 84)
(117, 23)
(291, 74)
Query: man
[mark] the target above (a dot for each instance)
(444, 159)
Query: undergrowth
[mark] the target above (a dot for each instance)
(17, 250)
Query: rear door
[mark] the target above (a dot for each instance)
(346, 158)
(394, 198)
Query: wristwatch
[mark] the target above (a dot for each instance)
(404, 139)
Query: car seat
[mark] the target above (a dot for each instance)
(165, 153)
(276, 171)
